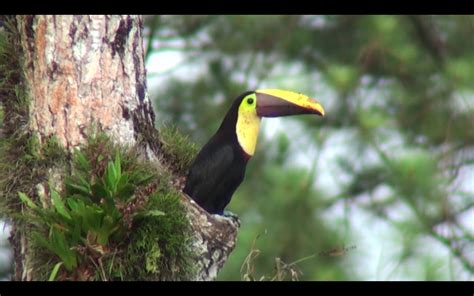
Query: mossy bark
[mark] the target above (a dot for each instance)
(83, 72)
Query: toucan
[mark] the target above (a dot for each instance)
(219, 168)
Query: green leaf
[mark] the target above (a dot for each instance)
(103, 238)
(118, 168)
(82, 180)
(26, 200)
(123, 181)
(111, 177)
(63, 250)
(125, 190)
(57, 245)
(75, 234)
(76, 205)
(82, 161)
(108, 227)
(55, 271)
(155, 213)
(59, 205)
(73, 188)
(42, 241)
(99, 191)
(92, 217)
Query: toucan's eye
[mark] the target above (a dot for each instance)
(250, 101)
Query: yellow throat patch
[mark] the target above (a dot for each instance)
(248, 124)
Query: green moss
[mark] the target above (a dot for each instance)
(177, 148)
(12, 95)
(23, 165)
(158, 249)
(24, 161)
(1, 117)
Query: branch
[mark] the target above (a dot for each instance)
(214, 240)
(429, 38)
(151, 35)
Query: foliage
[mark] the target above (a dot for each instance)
(110, 206)
(88, 215)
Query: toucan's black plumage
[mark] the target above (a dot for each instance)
(219, 168)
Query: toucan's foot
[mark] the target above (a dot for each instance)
(228, 216)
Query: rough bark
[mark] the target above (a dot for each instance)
(215, 238)
(84, 71)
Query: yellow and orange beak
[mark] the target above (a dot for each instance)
(277, 103)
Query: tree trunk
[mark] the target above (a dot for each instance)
(81, 72)
(85, 69)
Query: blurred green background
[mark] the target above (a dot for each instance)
(382, 188)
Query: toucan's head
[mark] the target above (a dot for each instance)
(253, 105)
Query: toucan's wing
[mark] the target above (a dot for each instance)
(208, 171)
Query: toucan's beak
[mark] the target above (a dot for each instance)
(276, 103)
